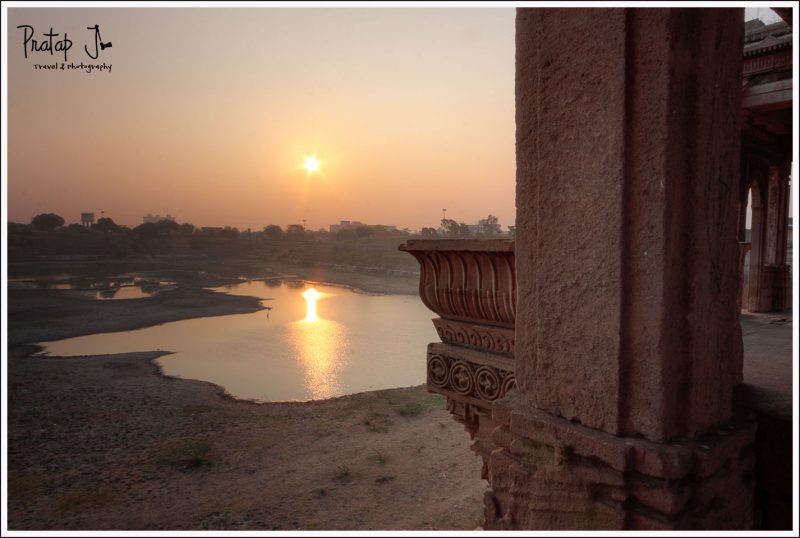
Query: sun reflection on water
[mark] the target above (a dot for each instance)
(311, 295)
(320, 346)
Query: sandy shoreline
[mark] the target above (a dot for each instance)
(107, 442)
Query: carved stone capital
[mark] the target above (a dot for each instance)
(467, 280)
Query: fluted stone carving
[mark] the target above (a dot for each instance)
(467, 280)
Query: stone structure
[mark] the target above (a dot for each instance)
(471, 285)
(766, 158)
(611, 404)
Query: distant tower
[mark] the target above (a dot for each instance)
(87, 219)
(444, 214)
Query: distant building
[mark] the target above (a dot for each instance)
(353, 224)
(157, 218)
(211, 230)
(345, 225)
(87, 219)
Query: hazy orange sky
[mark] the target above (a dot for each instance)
(207, 114)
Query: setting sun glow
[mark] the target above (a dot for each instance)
(311, 164)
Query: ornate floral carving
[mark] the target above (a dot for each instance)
(487, 383)
(438, 371)
(455, 377)
(461, 378)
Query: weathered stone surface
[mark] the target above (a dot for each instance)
(627, 206)
(627, 345)
(548, 472)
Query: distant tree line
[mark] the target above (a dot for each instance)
(50, 222)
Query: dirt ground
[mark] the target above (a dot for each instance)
(106, 442)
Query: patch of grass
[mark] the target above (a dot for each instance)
(384, 479)
(342, 475)
(378, 422)
(186, 455)
(416, 404)
(410, 409)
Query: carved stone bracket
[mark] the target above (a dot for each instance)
(471, 284)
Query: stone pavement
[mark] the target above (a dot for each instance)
(768, 372)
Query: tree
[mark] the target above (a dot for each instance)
(295, 232)
(77, 228)
(47, 222)
(345, 234)
(450, 227)
(230, 233)
(429, 232)
(152, 229)
(105, 224)
(186, 228)
(490, 225)
(273, 231)
(18, 228)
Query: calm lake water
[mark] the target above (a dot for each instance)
(104, 289)
(301, 349)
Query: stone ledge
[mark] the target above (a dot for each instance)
(703, 455)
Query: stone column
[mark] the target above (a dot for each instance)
(628, 345)
(774, 199)
(775, 272)
(757, 233)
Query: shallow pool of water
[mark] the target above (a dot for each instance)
(349, 342)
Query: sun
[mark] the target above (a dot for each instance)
(311, 164)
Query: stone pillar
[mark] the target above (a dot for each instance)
(774, 198)
(776, 286)
(769, 287)
(783, 227)
(757, 232)
(628, 345)
(744, 248)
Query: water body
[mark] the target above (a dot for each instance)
(340, 343)
(103, 289)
